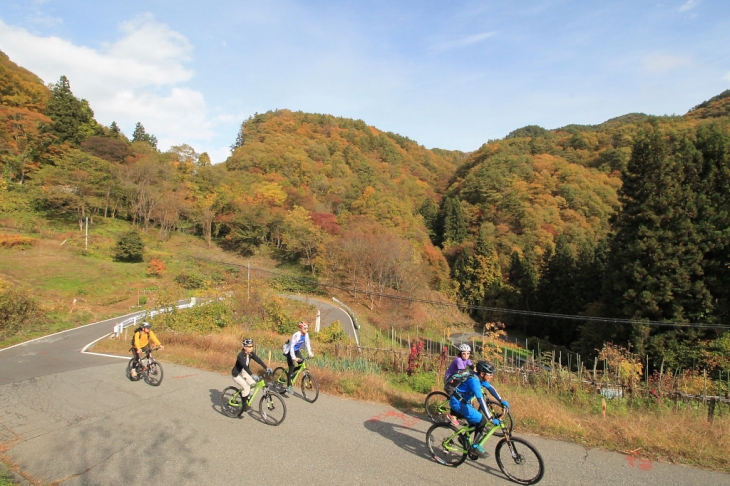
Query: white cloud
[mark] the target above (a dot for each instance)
(661, 63)
(461, 42)
(136, 78)
(689, 5)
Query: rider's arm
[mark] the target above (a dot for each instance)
(154, 338)
(259, 360)
(492, 390)
(294, 339)
(476, 387)
(309, 346)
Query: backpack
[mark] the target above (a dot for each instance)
(455, 380)
(131, 343)
(285, 347)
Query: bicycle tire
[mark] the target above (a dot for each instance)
(438, 442)
(130, 365)
(232, 402)
(437, 407)
(272, 408)
(153, 375)
(519, 461)
(278, 380)
(310, 387)
(498, 410)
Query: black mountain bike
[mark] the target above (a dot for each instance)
(147, 368)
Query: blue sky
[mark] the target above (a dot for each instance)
(450, 74)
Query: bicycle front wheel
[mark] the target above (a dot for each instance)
(519, 460)
(437, 406)
(232, 402)
(446, 445)
(130, 367)
(279, 380)
(272, 408)
(310, 388)
(153, 375)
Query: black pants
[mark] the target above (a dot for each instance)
(292, 366)
(137, 355)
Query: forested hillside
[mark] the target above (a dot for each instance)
(627, 219)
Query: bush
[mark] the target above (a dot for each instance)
(129, 247)
(203, 319)
(332, 334)
(12, 241)
(18, 312)
(190, 281)
(156, 267)
(418, 382)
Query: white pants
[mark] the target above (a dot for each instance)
(245, 381)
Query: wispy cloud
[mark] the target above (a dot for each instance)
(689, 5)
(461, 42)
(661, 63)
(139, 77)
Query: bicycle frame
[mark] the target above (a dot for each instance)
(298, 371)
(254, 391)
(468, 430)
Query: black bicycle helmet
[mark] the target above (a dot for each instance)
(485, 367)
(247, 342)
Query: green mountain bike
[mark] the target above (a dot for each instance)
(271, 406)
(310, 388)
(517, 458)
(437, 407)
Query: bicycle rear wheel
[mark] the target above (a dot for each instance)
(310, 388)
(437, 406)
(272, 408)
(153, 375)
(137, 375)
(446, 445)
(498, 410)
(232, 402)
(519, 460)
(279, 380)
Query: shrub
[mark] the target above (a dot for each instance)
(190, 281)
(12, 241)
(204, 319)
(332, 334)
(18, 311)
(129, 247)
(156, 267)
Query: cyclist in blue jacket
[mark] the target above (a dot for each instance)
(471, 388)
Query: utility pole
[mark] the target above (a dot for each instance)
(86, 247)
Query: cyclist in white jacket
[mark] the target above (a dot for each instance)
(293, 353)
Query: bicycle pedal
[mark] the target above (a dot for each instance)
(473, 456)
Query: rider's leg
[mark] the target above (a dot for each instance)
(292, 367)
(245, 381)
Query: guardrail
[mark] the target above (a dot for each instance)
(132, 321)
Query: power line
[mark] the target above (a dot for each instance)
(608, 320)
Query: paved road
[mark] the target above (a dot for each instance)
(74, 419)
(329, 313)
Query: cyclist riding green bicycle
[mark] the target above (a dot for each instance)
(242, 372)
(293, 353)
(462, 397)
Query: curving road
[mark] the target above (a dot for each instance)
(74, 419)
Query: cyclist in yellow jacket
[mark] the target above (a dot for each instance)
(142, 338)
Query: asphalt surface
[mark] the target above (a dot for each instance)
(74, 419)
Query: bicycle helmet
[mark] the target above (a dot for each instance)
(464, 348)
(485, 367)
(146, 325)
(303, 326)
(247, 342)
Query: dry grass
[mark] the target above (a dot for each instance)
(664, 433)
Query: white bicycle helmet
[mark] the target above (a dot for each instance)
(464, 348)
